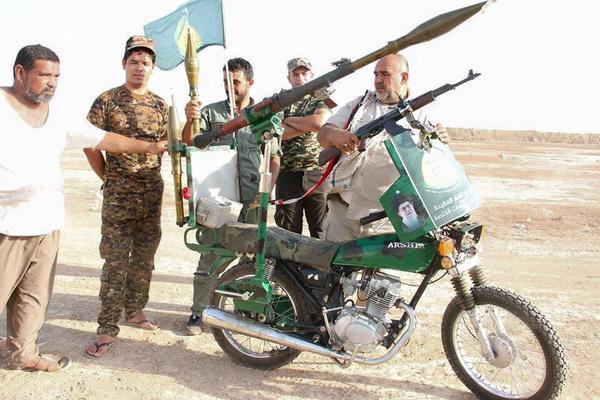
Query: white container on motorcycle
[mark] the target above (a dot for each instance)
(214, 212)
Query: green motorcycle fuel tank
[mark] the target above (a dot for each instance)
(388, 252)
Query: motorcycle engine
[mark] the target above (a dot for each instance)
(360, 329)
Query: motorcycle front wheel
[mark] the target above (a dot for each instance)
(529, 359)
(252, 352)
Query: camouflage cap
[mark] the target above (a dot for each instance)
(298, 62)
(140, 41)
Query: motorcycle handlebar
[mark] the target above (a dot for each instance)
(376, 216)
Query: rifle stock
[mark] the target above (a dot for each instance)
(328, 154)
(376, 126)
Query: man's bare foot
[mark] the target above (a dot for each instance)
(99, 347)
(46, 363)
(142, 321)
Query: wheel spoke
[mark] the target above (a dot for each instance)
(476, 348)
(530, 367)
(514, 381)
(246, 339)
(467, 326)
(495, 376)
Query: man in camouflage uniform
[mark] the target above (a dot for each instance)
(249, 156)
(132, 195)
(299, 163)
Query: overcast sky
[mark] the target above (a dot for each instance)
(537, 59)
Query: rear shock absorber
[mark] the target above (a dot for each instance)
(465, 297)
(269, 267)
(477, 276)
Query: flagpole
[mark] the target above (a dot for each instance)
(227, 73)
(230, 96)
(223, 20)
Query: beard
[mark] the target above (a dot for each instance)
(411, 221)
(381, 93)
(386, 97)
(38, 98)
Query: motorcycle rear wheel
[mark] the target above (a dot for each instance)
(252, 352)
(530, 360)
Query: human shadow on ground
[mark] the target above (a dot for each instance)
(198, 364)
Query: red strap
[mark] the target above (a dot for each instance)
(312, 189)
(329, 166)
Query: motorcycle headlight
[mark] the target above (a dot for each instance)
(466, 235)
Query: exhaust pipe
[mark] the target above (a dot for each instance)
(216, 318)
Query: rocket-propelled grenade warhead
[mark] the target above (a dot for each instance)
(173, 131)
(175, 148)
(426, 31)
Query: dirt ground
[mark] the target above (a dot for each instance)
(541, 207)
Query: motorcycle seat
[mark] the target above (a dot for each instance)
(281, 244)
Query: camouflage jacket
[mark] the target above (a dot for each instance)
(249, 152)
(302, 152)
(143, 117)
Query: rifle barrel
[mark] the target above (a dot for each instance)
(372, 128)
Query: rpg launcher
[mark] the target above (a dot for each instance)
(405, 107)
(261, 115)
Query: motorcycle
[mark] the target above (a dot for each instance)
(344, 301)
(279, 293)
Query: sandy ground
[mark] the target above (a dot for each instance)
(542, 211)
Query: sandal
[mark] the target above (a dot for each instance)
(96, 354)
(47, 363)
(146, 324)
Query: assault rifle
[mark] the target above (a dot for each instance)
(261, 116)
(404, 109)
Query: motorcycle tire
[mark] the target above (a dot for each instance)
(269, 355)
(510, 346)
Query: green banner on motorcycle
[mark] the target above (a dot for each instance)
(432, 190)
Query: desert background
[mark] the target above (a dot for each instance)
(541, 207)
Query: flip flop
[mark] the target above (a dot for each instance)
(97, 346)
(47, 364)
(143, 324)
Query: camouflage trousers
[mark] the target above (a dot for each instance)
(205, 283)
(130, 236)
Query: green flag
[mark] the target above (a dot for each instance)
(204, 18)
